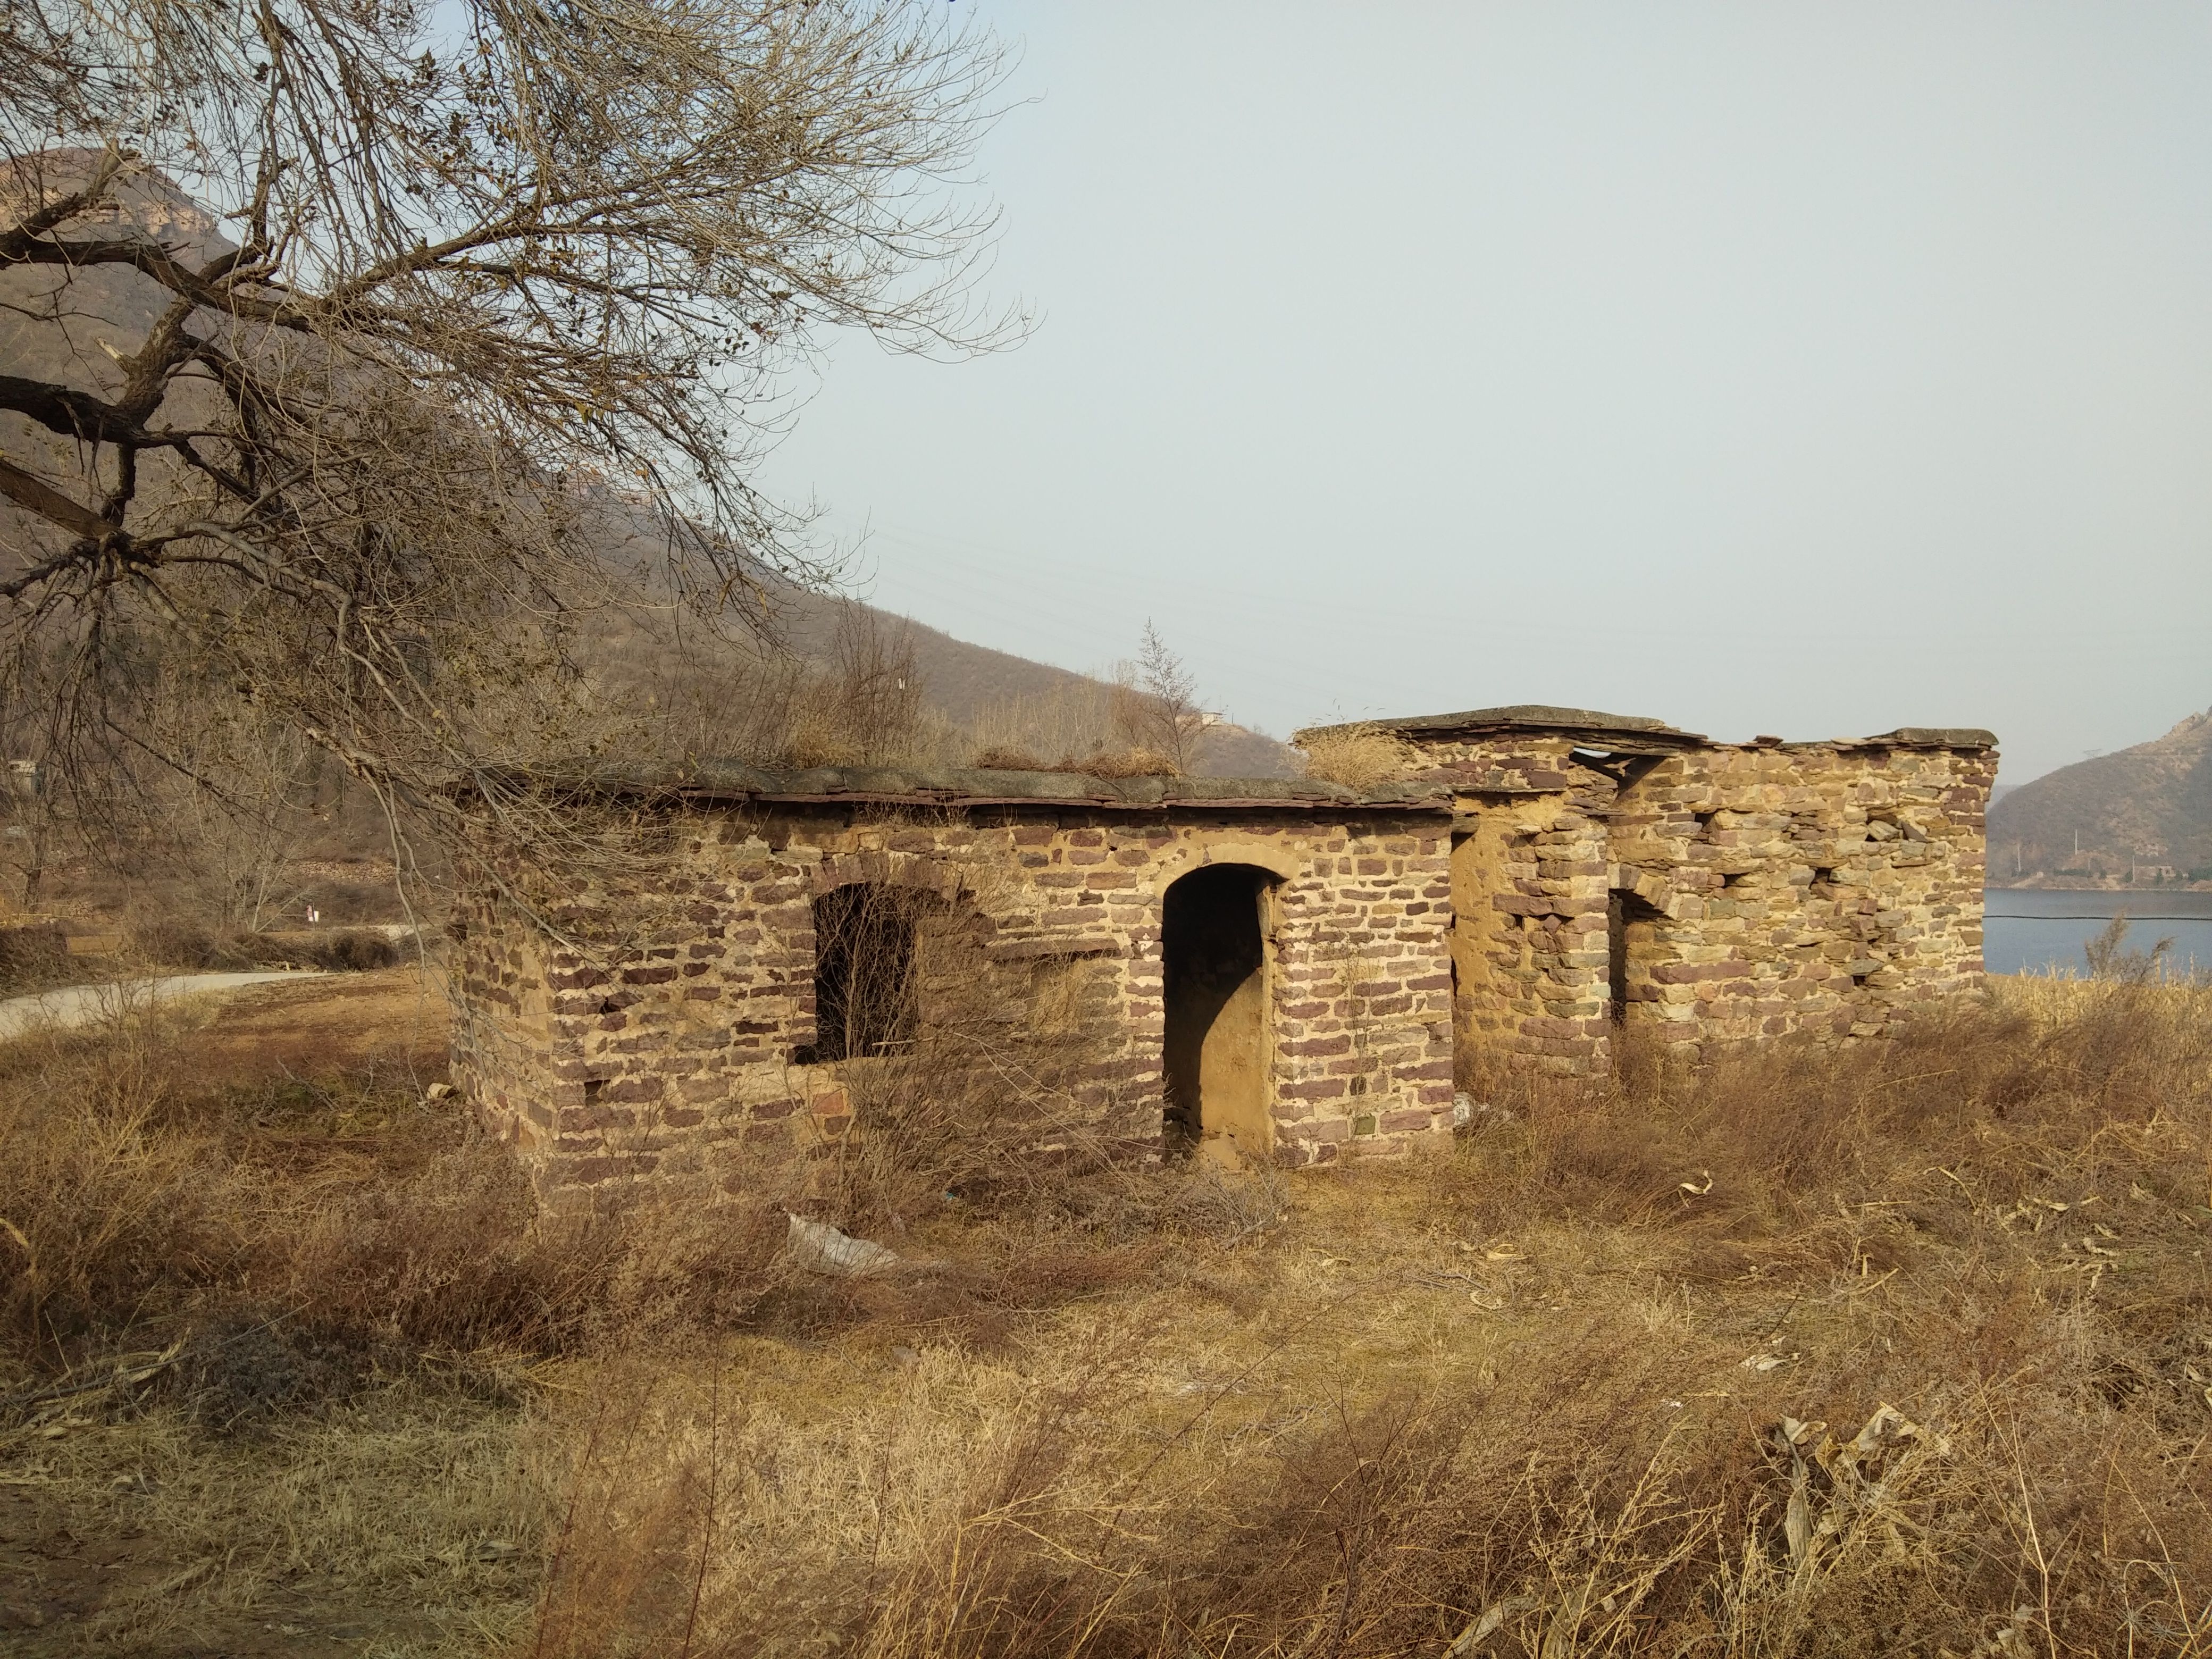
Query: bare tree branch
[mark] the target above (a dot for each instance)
(430, 312)
(43, 499)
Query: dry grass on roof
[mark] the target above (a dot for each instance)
(1903, 1350)
(1356, 756)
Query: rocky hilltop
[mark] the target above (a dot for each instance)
(2142, 817)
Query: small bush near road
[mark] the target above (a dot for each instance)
(352, 950)
(185, 946)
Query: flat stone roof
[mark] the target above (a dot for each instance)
(1593, 727)
(1926, 736)
(708, 781)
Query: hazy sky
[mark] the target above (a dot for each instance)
(1767, 368)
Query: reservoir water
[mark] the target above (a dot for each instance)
(2035, 931)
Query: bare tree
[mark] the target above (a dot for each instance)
(1155, 706)
(472, 284)
(874, 688)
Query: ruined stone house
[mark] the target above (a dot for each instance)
(1612, 877)
(1277, 970)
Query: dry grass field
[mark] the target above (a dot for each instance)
(1905, 1350)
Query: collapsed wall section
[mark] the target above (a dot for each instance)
(1529, 906)
(1530, 886)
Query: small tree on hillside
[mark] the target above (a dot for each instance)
(1155, 706)
(479, 288)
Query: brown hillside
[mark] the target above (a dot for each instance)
(113, 307)
(965, 683)
(2146, 810)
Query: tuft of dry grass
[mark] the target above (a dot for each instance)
(1356, 756)
(136, 1201)
(403, 1520)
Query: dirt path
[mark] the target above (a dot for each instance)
(83, 1005)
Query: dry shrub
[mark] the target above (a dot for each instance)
(138, 1205)
(106, 1198)
(1006, 757)
(171, 941)
(975, 1089)
(458, 1257)
(1778, 1128)
(973, 1101)
(33, 955)
(1356, 756)
(354, 951)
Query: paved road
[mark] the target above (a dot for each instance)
(83, 1005)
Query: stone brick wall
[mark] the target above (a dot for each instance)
(665, 1057)
(1821, 887)
(1530, 884)
(1696, 892)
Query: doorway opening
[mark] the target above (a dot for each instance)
(1631, 934)
(1216, 1053)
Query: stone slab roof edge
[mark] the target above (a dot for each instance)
(1926, 737)
(729, 781)
(1596, 729)
(1537, 717)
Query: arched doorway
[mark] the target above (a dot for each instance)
(1213, 948)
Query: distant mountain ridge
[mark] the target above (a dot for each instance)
(2142, 816)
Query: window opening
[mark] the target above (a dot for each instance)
(864, 989)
